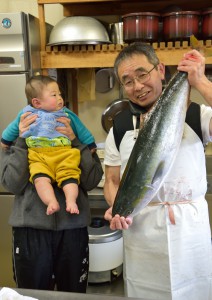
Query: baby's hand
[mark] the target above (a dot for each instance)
(4, 146)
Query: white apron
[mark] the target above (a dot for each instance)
(168, 261)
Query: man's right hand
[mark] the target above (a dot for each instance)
(117, 222)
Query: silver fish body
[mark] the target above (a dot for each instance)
(155, 149)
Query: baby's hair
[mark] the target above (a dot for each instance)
(35, 85)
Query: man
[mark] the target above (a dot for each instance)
(162, 260)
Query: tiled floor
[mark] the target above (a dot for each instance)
(115, 288)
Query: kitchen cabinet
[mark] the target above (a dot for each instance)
(99, 56)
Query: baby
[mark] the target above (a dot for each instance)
(51, 156)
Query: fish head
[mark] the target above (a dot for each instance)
(128, 202)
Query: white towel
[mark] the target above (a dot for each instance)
(9, 294)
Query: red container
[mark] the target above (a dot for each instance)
(207, 24)
(178, 26)
(142, 26)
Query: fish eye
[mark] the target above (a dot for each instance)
(128, 212)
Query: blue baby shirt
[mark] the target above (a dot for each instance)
(45, 126)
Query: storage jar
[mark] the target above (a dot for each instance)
(141, 26)
(178, 26)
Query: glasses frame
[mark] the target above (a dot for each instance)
(139, 80)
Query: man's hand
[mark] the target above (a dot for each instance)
(117, 222)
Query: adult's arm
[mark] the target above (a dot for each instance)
(193, 63)
(14, 167)
(112, 180)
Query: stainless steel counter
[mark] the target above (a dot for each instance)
(51, 295)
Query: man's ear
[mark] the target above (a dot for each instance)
(36, 103)
(161, 69)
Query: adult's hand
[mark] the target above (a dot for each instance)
(117, 222)
(67, 129)
(25, 121)
(193, 63)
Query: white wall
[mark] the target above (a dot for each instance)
(54, 12)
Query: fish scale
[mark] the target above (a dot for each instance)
(155, 149)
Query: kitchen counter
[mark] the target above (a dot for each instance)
(96, 198)
(51, 295)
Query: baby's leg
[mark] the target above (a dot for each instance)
(46, 193)
(71, 193)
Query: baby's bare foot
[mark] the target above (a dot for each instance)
(72, 208)
(52, 208)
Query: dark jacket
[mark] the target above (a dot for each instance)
(28, 209)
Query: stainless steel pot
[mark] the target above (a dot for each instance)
(79, 30)
(116, 33)
(105, 251)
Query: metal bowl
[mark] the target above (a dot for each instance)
(78, 30)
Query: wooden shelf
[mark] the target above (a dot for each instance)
(120, 7)
(98, 56)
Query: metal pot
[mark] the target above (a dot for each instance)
(180, 25)
(105, 251)
(142, 26)
(79, 30)
(114, 108)
(207, 24)
(116, 33)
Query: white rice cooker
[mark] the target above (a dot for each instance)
(105, 251)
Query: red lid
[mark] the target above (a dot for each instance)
(147, 13)
(207, 11)
(178, 13)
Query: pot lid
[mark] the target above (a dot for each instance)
(147, 13)
(99, 231)
(207, 11)
(178, 13)
(113, 108)
(105, 80)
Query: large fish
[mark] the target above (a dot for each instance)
(155, 148)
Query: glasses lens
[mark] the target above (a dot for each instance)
(141, 78)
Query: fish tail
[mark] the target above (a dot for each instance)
(195, 44)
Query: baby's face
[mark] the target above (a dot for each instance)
(51, 99)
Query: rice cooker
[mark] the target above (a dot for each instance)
(105, 251)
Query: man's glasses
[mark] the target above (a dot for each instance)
(141, 78)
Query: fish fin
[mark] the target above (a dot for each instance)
(158, 174)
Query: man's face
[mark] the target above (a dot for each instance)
(141, 87)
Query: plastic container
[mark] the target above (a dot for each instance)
(178, 26)
(141, 26)
(207, 24)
